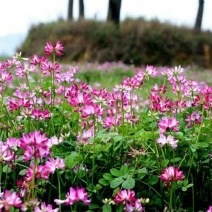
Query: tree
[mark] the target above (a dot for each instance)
(70, 9)
(81, 9)
(114, 9)
(198, 23)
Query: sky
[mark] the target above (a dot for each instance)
(17, 16)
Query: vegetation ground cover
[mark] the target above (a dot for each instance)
(143, 144)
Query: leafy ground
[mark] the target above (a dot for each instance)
(103, 137)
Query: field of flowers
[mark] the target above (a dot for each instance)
(69, 145)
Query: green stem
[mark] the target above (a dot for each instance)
(198, 135)
(170, 201)
(59, 187)
(192, 181)
(94, 146)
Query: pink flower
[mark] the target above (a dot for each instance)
(195, 118)
(136, 206)
(110, 122)
(125, 196)
(47, 67)
(45, 208)
(33, 138)
(91, 110)
(169, 140)
(80, 99)
(5, 77)
(166, 123)
(209, 209)
(35, 144)
(74, 195)
(86, 134)
(22, 70)
(7, 199)
(6, 154)
(37, 60)
(54, 164)
(170, 174)
(49, 48)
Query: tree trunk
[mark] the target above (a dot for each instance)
(70, 9)
(198, 23)
(81, 9)
(114, 9)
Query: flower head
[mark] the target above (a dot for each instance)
(49, 48)
(171, 174)
(74, 195)
(45, 208)
(209, 209)
(169, 140)
(166, 123)
(8, 199)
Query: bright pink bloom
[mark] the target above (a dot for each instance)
(35, 144)
(45, 208)
(7, 199)
(40, 115)
(54, 164)
(125, 196)
(54, 141)
(47, 67)
(209, 209)
(86, 134)
(136, 206)
(40, 172)
(166, 123)
(49, 48)
(91, 110)
(171, 173)
(74, 195)
(169, 140)
(6, 154)
(195, 118)
(80, 100)
(37, 60)
(5, 77)
(110, 122)
(22, 70)
(150, 71)
(33, 138)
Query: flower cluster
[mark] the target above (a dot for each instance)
(171, 174)
(74, 195)
(127, 197)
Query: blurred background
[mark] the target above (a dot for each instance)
(156, 32)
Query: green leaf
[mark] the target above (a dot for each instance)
(189, 185)
(129, 183)
(115, 172)
(71, 160)
(116, 182)
(202, 144)
(106, 208)
(117, 138)
(108, 176)
(120, 208)
(176, 159)
(184, 188)
(185, 182)
(123, 170)
(6, 169)
(93, 206)
(142, 171)
(153, 180)
(22, 172)
(104, 182)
